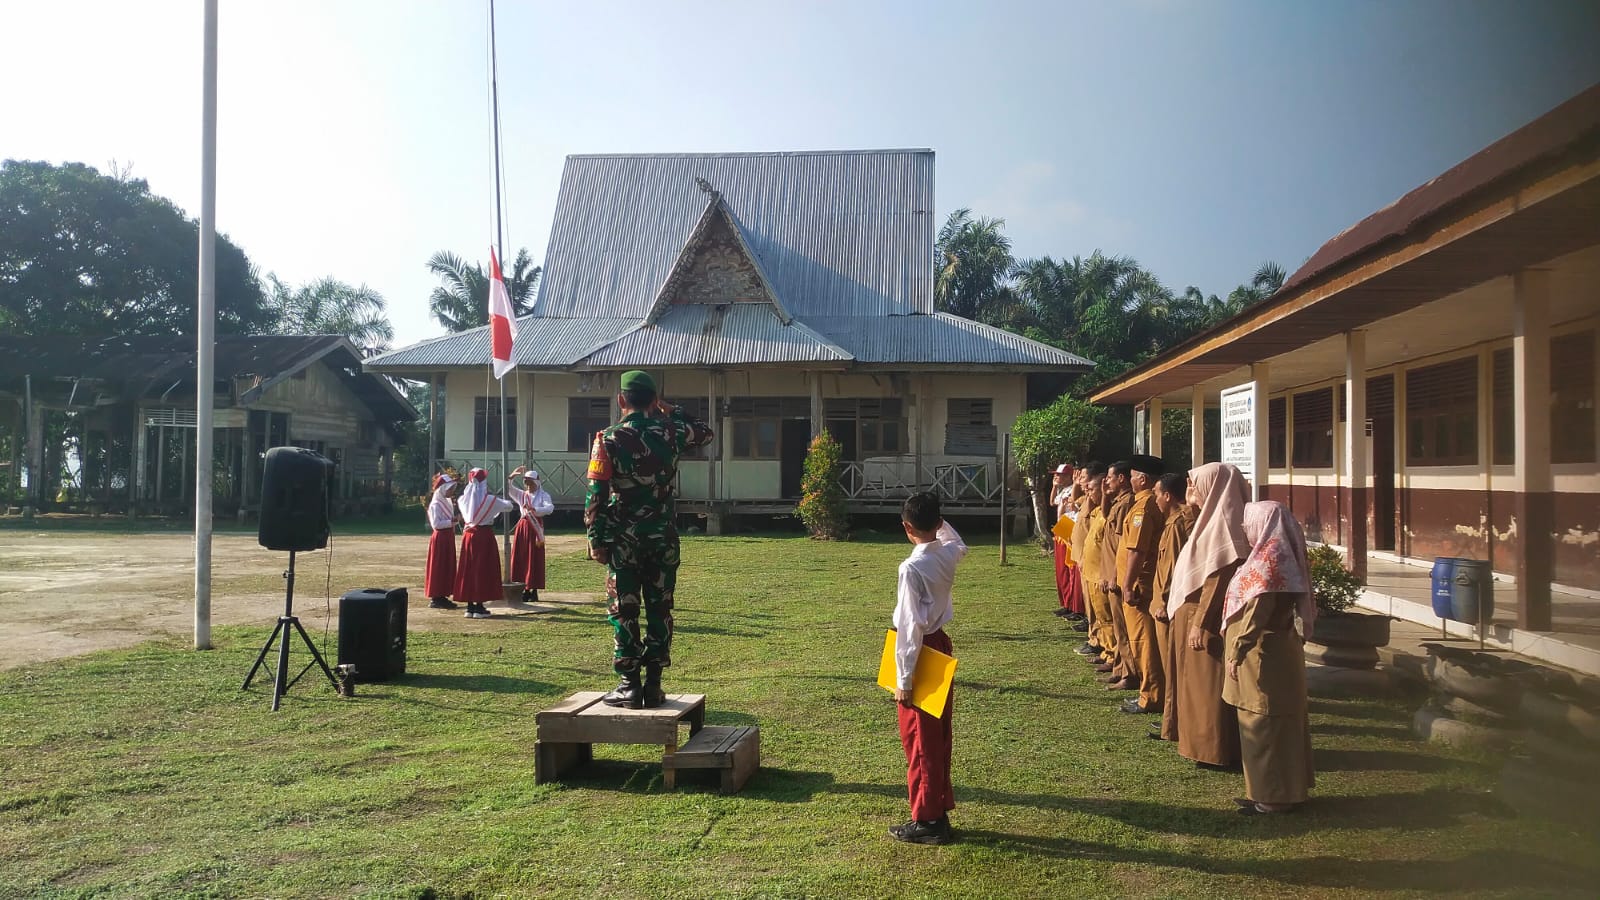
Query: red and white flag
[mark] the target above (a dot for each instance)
(501, 320)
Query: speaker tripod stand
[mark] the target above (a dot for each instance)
(282, 635)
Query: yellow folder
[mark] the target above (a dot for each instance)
(930, 683)
(1063, 529)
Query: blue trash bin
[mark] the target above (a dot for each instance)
(1444, 586)
(1471, 587)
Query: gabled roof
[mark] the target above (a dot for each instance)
(732, 334)
(137, 366)
(836, 233)
(716, 214)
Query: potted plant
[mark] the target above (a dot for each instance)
(1348, 638)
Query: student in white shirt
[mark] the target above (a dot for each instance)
(921, 611)
(440, 581)
(478, 567)
(527, 541)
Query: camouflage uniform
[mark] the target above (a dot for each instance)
(629, 510)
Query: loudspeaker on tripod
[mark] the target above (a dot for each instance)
(295, 487)
(372, 633)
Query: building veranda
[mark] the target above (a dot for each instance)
(772, 294)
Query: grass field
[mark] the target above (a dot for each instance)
(148, 773)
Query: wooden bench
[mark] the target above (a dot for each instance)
(735, 750)
(568, 731)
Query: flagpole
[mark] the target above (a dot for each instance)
(205, 341)
(500, 253)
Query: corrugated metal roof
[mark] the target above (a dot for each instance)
(540, 344)
(939, 339)
(838, 233)
(740, 334)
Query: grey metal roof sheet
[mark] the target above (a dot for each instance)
(838, 233)
(940, 339)
(540, 344)
(739, 334)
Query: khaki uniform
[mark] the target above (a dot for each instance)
(1116, 516)
(1174, 534)
(1208, 727)
(1270, 695)
(1141, 532)
(1092, 525)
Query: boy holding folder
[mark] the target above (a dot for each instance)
(921, 611)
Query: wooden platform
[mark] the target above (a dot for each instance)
(568, 731)
(734, 750)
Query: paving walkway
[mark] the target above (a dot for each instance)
(1405, 591)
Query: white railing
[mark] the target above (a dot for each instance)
(891, 478)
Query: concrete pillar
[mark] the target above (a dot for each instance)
(35, 430)
(1141, 420)
(1197, 427)
(435, 437)
(1534, 506)
(1154, 415)
(1355, 446)
(1260, 380)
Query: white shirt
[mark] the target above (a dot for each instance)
(479, 507)
(441, 510)
(924, 603)
(534, 505)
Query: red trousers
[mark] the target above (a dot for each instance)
(478, 573)
(1069, 581)
(927, 744)
(440, 580)
(527, 555)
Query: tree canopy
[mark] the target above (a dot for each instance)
(461, 301)
(86, 253)
(329, 306)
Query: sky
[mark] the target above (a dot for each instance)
(1199, 138)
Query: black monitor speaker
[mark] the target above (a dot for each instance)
(372, 633)
(295, 487)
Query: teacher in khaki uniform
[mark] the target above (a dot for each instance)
(1124, 673)
(1136, 573)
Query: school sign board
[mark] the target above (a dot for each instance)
(1238, 428)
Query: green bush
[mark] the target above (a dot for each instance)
(1334, 587)
(1044, 438)
(822, 505)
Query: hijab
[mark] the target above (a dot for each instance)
(1218, 539)
(1276, 564)
(474, 497)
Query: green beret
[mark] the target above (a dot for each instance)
(638, 381)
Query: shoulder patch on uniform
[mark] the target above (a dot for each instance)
(600, 468)
(1138, 519)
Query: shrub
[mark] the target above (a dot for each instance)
(1041, 439)
(1334, 587)
(822, 504)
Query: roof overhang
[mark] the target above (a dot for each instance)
(1522, 223)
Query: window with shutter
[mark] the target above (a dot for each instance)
(969, 427)
(486, 427)
(1442, 414)
(1504, 419)
(1277, 434)
(1313, 429)
(1572, 397)
(585, 416)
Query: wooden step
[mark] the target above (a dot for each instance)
(735, 750)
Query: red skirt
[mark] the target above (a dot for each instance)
(441, 577)
(478, 573)
(527, 555)
(1069, 581)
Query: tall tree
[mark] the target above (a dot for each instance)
(972, 260)
(462, 300)
(329, 306)
(86, 253)
(1266, 281)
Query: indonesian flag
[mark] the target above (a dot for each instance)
(500, 320)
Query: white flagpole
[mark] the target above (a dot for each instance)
(500, 252)
(205, 337)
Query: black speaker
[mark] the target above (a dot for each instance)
(372, 633)
(295, 485)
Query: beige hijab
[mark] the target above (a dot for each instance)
(1218, 539)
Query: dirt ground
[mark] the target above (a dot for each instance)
(64, 593)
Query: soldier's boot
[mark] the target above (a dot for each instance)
(654, 696)
(629, 693)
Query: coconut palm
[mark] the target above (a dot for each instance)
(330, 306)
(462, 300)
(972, 259)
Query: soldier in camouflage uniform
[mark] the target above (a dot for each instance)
(629, 513)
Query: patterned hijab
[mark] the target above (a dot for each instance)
(1218, 538)
(1276, 564)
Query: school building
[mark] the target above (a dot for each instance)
(1425, 386)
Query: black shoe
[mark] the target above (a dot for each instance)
(1132, 706)
(1088, 650)
(441, 603)
(914, 832)
(629, 694)
(653, 695)
(1076, 617)
(530, 596)
(1081, 626)
(1062, 612)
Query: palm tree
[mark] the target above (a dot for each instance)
(1267, 280)
(972, 259)
(330, 306)
(462, 301)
